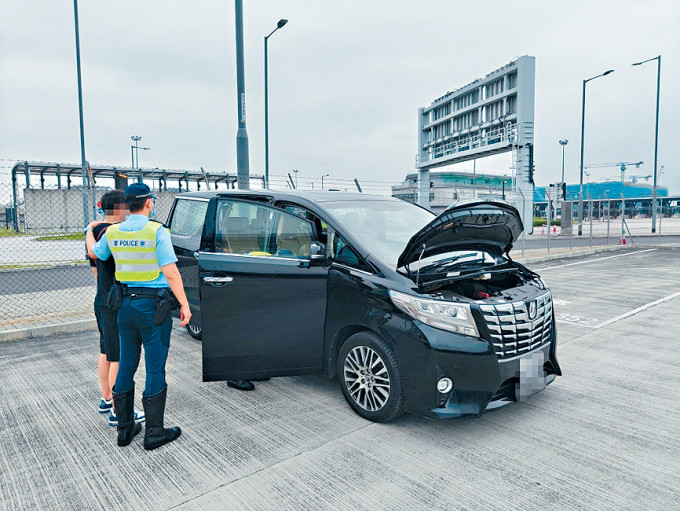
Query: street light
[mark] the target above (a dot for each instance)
(86, 215)
(656, 133)
(133, 147)
(563, 143)
(583, 124)
(324, 175)
(279, 25)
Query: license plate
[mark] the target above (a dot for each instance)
(531, 375)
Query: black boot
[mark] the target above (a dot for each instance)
(155, 434)
(241, 384)
(124, 404)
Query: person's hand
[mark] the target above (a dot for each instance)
(184, 315)
(93, 224)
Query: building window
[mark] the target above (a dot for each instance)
(512, 80)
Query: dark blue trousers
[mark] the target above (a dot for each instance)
(135, 324)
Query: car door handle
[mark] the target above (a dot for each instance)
(218, 281)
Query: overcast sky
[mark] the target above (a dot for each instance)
(346, 80)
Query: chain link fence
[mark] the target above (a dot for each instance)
(44, 274)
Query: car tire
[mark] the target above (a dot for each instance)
(194, 330)
(369, 377)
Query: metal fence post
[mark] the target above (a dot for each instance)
(609, 214)
(524, 232)
(548, 215)
(623, 220)
(590, 207)
(15, 219)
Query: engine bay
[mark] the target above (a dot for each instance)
(510, 282)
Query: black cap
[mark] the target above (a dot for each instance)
(138, 191)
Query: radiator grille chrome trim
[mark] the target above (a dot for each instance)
(511, 332)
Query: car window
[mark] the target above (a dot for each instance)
(255, 229)
(187, 221)
(320, 225)
(342, 253)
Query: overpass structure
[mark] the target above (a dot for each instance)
(490, 115)
(32, 175)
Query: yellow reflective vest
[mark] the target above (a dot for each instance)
(134, 252)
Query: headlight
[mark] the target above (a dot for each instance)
(452, 316)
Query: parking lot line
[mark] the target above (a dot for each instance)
(596, 259)
(639, 309)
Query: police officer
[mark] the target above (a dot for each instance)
(145, 267)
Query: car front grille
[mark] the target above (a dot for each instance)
(511, 331)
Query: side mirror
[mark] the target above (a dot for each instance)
(317, 250)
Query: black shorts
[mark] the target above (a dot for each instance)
(109, 341)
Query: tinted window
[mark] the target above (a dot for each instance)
(342, 253)
(256, 229)
(186, 226)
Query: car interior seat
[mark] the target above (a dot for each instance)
(235, 236)
(293, 237)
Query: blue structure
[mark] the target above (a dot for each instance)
(606, 190)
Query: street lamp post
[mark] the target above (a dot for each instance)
(324, 175)
(86, 215)
(134, 148)
(656, 133)
(279, 25)
(563, 143)
(583, 124)
(242, 161)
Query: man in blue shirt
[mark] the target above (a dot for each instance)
(145, 267)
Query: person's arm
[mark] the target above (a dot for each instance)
(94, 272)
(100, 249)
(174, 279)
(90, 239)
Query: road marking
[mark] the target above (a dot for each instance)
(594, 260)
(560, 302)
(639, 309)
(574, 319)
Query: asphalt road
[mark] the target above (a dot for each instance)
(21, 281)
(605, 435)
(49, 279)
(585, 241)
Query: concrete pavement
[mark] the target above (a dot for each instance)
(605, 435)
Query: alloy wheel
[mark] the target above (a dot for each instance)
(367, 378)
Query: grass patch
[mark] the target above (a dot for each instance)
(41, 266)
(71, 236)
(23, 266)
(4, 232)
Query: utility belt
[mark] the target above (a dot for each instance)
(165, 300)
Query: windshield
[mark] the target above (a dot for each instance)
(384, 227)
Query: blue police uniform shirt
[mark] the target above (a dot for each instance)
(164, 251)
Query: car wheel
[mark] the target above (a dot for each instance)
(369, 377)
(194, 330)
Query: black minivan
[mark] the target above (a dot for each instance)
(412, 311)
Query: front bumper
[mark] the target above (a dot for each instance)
(481, 381)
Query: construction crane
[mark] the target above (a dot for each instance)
(621, 165)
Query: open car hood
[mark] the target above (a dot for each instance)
(489, 226)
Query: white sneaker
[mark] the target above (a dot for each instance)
(140, 417)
